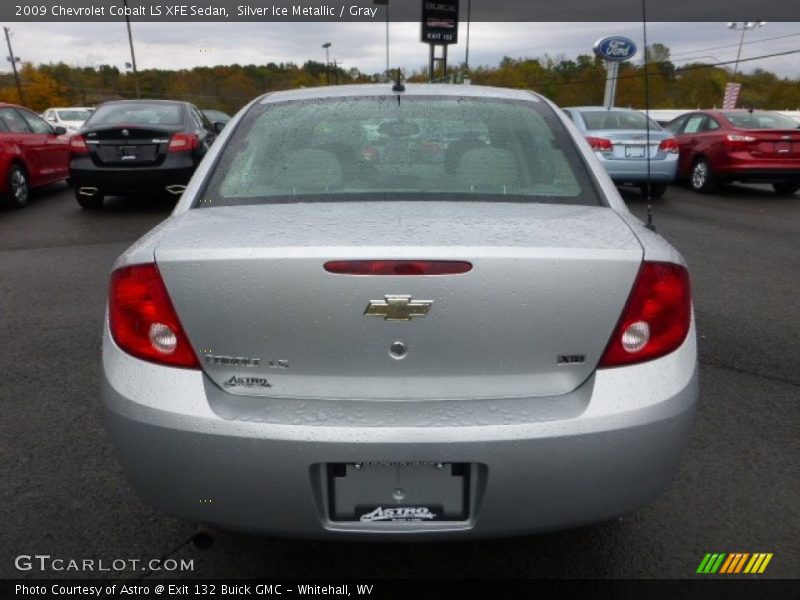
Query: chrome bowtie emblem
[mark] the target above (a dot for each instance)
(398, 308)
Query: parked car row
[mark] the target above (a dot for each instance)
(154, 146)
(122, 147)
(704, 147)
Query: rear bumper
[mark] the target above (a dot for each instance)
(635, 171)
(177, 169)
(605, 449)
(757, 173)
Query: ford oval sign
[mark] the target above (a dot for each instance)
(615, 48)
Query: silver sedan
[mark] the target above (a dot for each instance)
(633, 149)
(387, 313)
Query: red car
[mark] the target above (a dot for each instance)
(32, 153)
(720, 146)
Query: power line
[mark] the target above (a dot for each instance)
(758, 41)
(694, 67)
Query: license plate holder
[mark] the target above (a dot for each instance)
(387, 492)
(634, 151)
(128, 152)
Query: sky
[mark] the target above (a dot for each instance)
(362, 45)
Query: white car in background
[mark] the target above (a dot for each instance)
(71, 118)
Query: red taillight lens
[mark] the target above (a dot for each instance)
(77, 145)
(670, 145)
(183, 142)
(600, 144)
(397, 267)
(733, 137)
(738, 142)
(142, 320)
(656, 318)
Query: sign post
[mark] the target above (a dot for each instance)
(439, 28)
(613, 49)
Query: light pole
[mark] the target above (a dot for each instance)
(14, 60)
(386, 4)
(469, 20)
(743, 27)
(327, 46)
(130, 43)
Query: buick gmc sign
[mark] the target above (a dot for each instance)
(615, 48)
(440, 22)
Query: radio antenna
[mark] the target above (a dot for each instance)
(649, 224)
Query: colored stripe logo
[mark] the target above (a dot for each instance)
(734, 563)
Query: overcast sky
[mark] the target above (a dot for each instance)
(362, 45)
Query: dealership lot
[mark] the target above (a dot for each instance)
(737, 491)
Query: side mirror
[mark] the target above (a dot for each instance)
(219, 126)
(51, 118)
(59, 130)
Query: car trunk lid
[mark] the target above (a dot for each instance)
(631, 144)
(773, 143)
(532, 317)
(129, 145)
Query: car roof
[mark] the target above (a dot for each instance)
(722, 111)
(145, 101)
(411, 89)
(598, 108)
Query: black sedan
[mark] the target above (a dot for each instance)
(134, 146)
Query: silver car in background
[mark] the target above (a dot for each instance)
(419, 311)
(619, 138)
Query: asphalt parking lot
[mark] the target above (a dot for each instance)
(63, 493)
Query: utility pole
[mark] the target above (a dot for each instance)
(327, 46)
(469, 20)
(13, 60)
(130, 43)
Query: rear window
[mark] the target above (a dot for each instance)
(74, 115)
(138, 113)
(399, 148)
(216, 116)
(616, 119)
(759, 119)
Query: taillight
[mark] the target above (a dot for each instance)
(77, 145)
(397, 267)
(182, 142)
(669, 145)
(735, 141)
(143, 321)
(656, 317)
(600, 144)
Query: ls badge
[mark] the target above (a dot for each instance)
(398, 308)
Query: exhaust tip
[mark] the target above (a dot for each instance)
(175, 189)
(87, 191)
